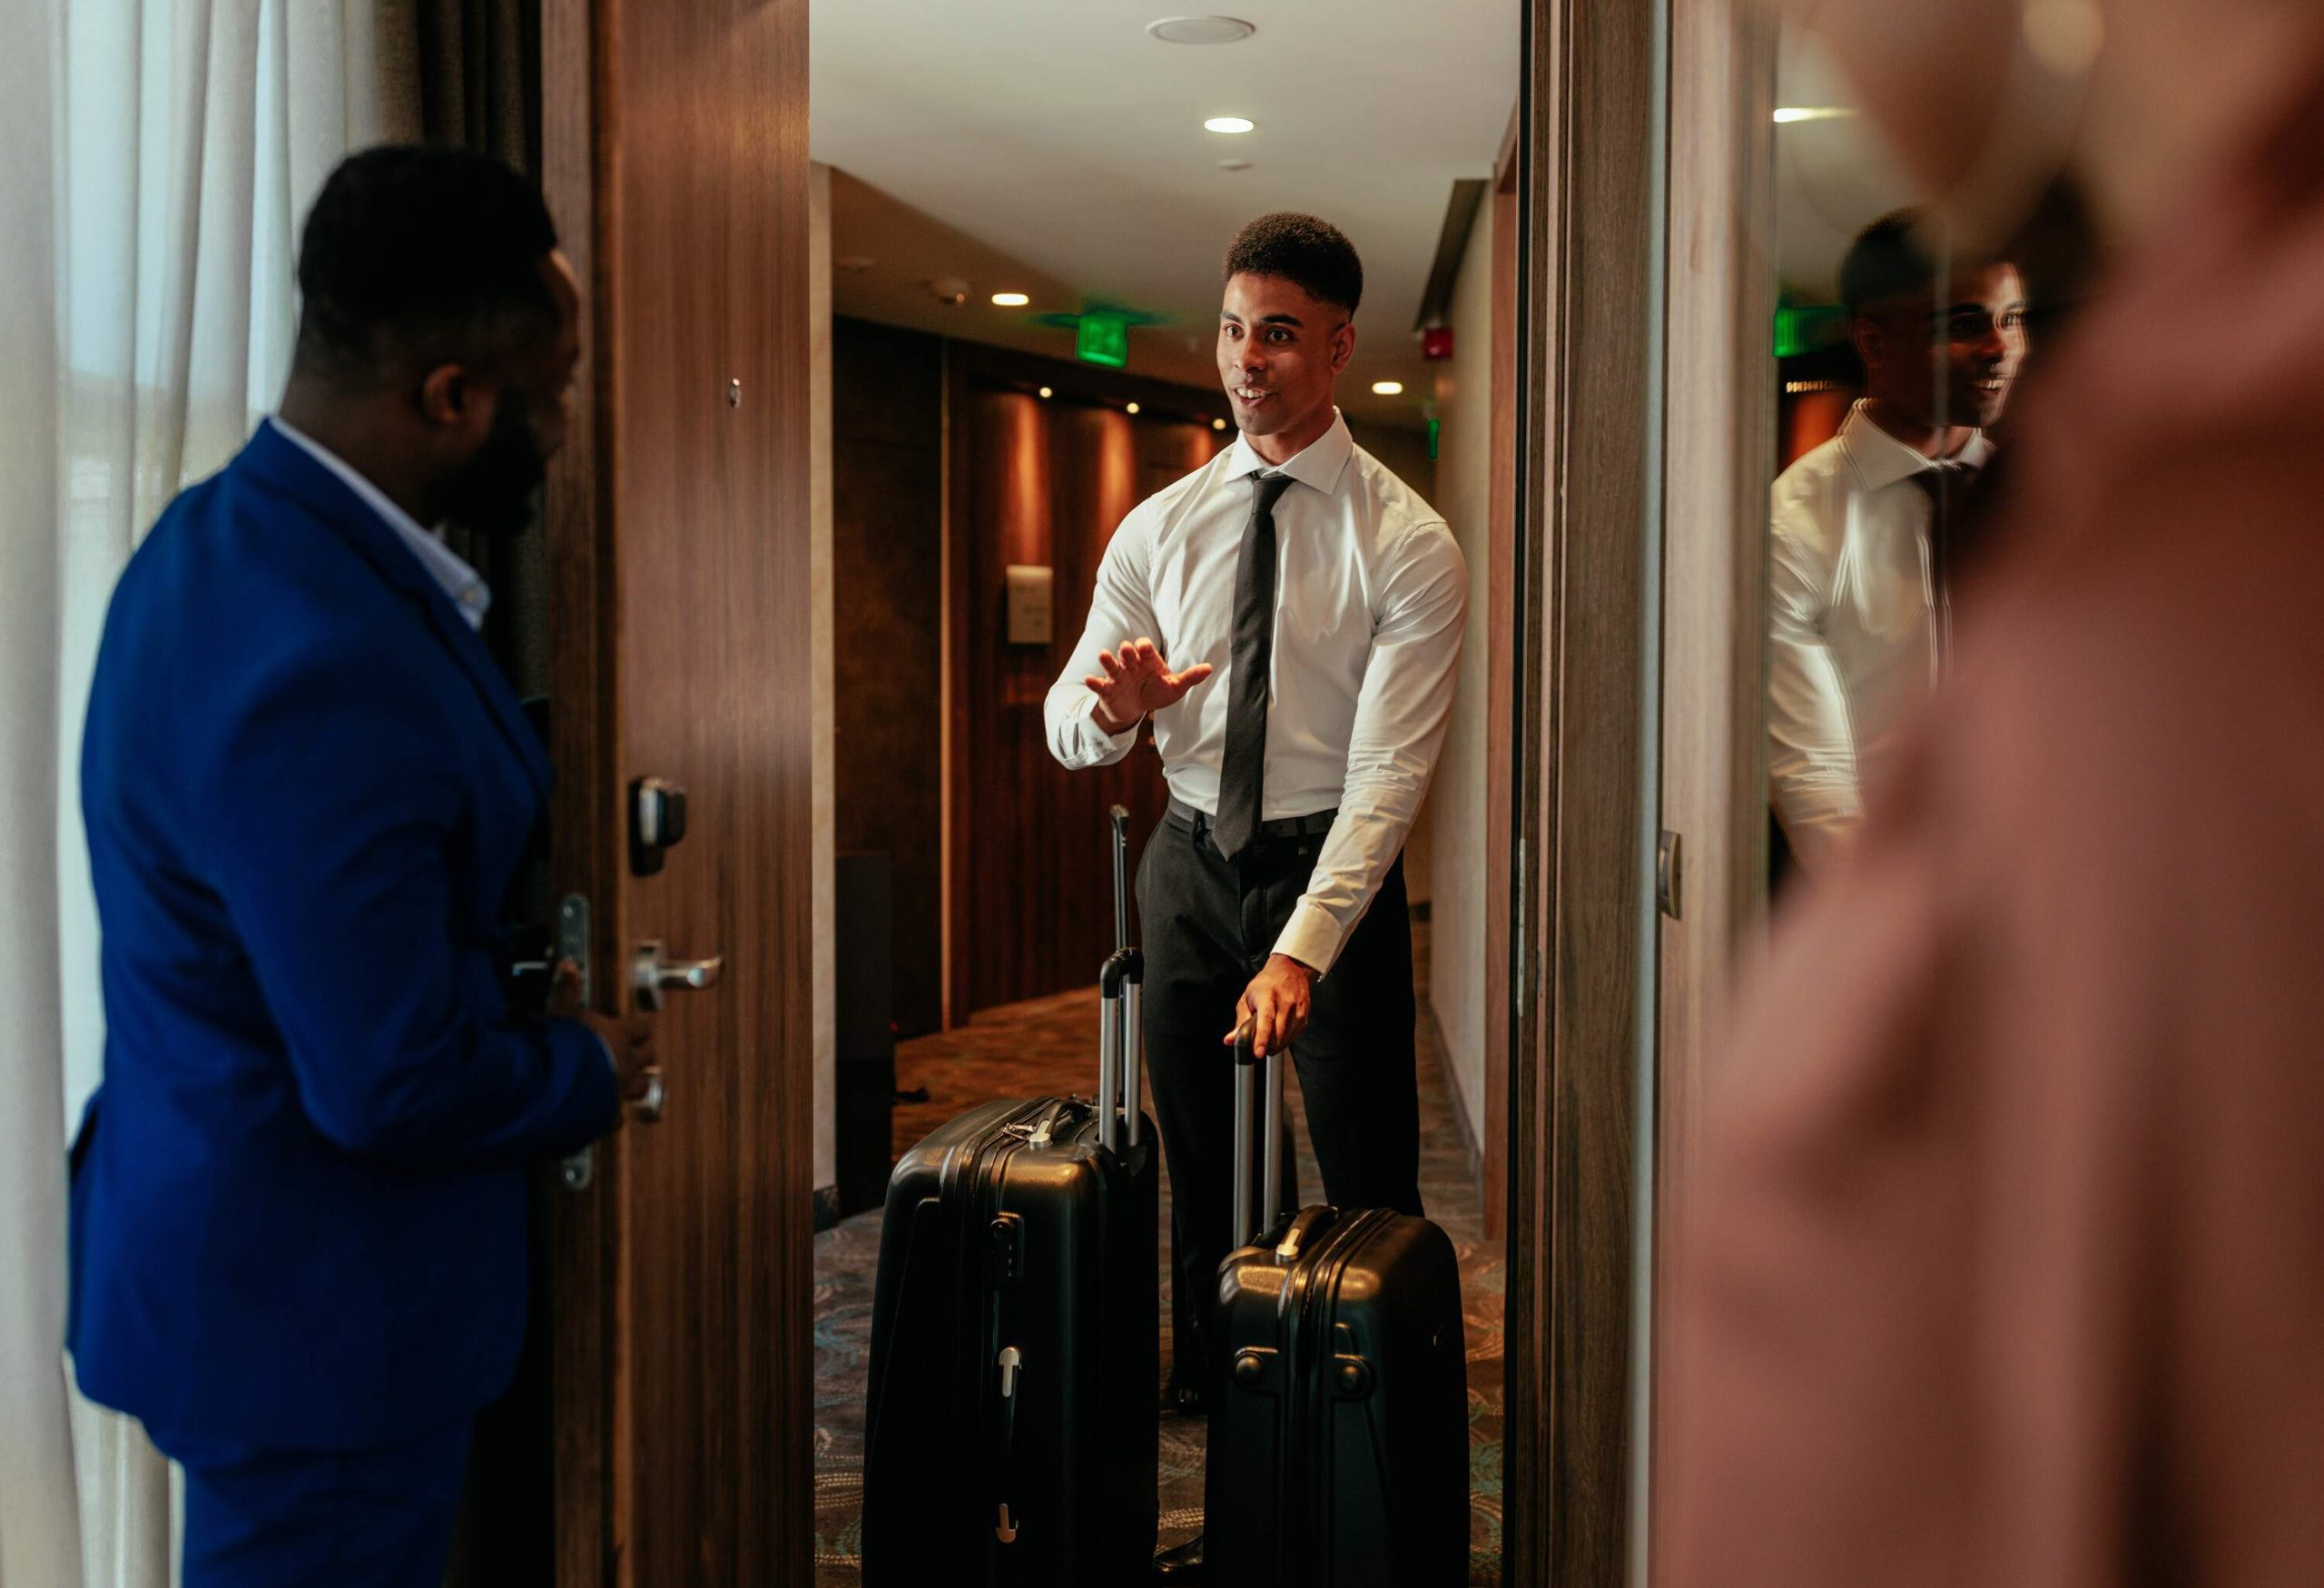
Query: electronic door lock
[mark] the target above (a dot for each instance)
(657, 819)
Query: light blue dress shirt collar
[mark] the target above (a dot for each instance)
(462, 583)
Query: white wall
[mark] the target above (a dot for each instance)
(1456, 812)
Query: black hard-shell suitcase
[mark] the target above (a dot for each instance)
(1339, 1421)
(1011, 1426)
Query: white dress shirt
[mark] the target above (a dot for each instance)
(1370, 595)
(462, 583)
(1852, 587)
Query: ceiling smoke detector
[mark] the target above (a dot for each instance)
(950, 290)
(853, 263)
(1201, 30)
(1234, 165)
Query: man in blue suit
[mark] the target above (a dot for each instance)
(299, 1197)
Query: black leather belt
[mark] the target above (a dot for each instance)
(1289, 827)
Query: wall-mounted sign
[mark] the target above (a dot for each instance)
(1102, 337)
(1029, 605)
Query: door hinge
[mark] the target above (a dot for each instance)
(1669, 874)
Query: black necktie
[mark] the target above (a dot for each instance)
(1242, 773)
(1946, 486)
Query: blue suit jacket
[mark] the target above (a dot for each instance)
(298, 1204)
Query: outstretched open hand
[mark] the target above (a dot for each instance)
(1137, 682)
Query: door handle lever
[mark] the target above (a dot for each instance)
(651, 975)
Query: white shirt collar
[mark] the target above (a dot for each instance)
(1881, 460)
(462, 583)
(1319, 464)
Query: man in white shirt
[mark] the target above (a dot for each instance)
(1328, 598)
(1860, 608)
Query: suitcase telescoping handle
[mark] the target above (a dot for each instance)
(1258, 1152)
(1122, 982)
(1118, 819)
(1120, 1038)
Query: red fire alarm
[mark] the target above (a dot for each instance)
(1436, 343)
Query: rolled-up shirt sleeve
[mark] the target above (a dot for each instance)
(1812, 765)
(1401, 715)
(1119, 610)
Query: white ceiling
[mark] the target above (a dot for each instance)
(1832, 177)
(1052, 146)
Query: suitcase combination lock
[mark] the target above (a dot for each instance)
(1006, 1256)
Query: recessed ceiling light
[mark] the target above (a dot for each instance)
(1229, 124)
(1218, 424)
(1201, 30)
(1132, 408)
(1047, 392)
(2065, 36)
(1816, 113)
(1387, 388)
(1009, 299)
(1234, 165)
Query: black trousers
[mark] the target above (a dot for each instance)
(1208, 927)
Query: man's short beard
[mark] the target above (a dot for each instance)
(493, 491)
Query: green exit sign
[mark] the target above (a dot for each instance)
(1103, 338)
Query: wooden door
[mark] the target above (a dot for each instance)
(675, 160)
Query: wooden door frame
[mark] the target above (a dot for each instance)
(1641, 553)
(1578, 721)
(1719, 449)
(1587, 272)
(1505, 202)
(583, 624)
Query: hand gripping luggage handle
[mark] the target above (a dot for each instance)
(1121, 1048)
(1254, 1205)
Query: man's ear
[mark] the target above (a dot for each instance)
(1343, 346)
(1871, 341)
(450, 398)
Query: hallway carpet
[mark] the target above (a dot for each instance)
(1050, 1046)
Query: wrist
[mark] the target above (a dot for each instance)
(1108, 724)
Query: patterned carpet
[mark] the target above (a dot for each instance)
(1050, 1046)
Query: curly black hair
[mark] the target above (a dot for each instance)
(1311, 253)
(416, 254)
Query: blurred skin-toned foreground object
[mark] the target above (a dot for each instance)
(1999, 1264)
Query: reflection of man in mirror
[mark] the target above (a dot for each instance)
(1861, 564)
(1328, 598)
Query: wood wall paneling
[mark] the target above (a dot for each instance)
(1044, 482)
(887, 590)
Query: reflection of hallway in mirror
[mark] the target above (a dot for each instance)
(1050, 1046)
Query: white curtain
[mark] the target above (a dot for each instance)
(159, 155)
